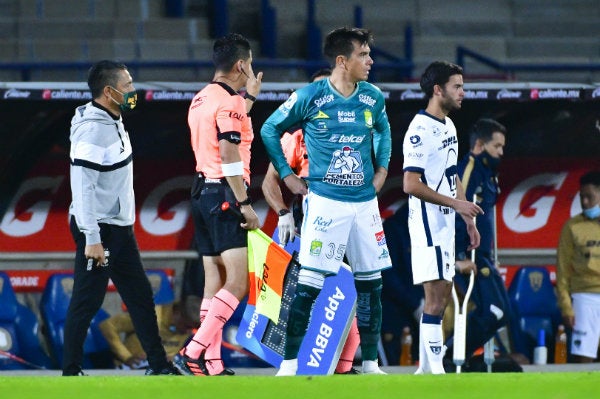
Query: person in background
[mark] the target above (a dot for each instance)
(102, 217)
(294, 148)
(344, 122)
(402, 301)
(578, 271)
(435, 195)
(478, 171)
(221, 137)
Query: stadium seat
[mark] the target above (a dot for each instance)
(161, 287)
(53, 308)
(18, 331)
(535, 308)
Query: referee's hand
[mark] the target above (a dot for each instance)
(251, 222)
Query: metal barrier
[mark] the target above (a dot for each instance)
(507, 256)
(462, 53)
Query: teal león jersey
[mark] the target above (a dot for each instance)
(340, 134)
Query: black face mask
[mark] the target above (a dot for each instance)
(489, 161)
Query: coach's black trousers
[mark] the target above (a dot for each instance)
(127, 273)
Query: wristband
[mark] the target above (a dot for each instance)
(283, 212)
(233, 169)
(250, 97)
(247, 201)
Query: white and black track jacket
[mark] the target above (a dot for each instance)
(101, 171)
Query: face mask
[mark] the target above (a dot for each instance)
(129, 100)
(593, 212)
(489, 160)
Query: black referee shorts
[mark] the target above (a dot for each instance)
(215, 230)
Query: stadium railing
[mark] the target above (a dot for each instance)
(462, 53)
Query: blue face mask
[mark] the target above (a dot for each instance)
(593, 212)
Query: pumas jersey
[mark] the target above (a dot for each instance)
(340, 133)
(430, 148)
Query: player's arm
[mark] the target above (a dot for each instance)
(111, 329)
(85, 172)
(465, 209)
(271, 189)
(382, 147)
(564, 269)
(233, 170)
(286, 116)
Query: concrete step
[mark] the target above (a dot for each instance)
(544, 47)
(559, 27)
(59, 9)
(556, 9)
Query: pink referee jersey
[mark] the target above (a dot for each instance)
(218, 109)
(294, 149)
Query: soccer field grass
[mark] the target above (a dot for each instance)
(469, 385)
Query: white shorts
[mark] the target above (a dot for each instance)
(332, 228)
(586, 333)
(430, 263)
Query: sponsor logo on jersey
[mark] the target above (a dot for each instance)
(346, 116)
(370, 101)
(448, 142)
(321, 115)
(321, 126)
(415, 141)
(342, 138)
(319, 102)
(436, 131)
(345, 168)
(380, 238)
(315, 247)
(384, 254)
(368, 118)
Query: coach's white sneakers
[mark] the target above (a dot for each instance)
(287, 368)
(371, 367)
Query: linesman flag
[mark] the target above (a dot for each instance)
(267, 263)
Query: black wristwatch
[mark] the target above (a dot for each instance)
(247, 201)
(283, 211)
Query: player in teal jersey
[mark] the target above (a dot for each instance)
(344, 122)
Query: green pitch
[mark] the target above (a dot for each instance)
(463, 386)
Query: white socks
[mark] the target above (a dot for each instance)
(371, 367)
(287, 368)
(432, 343)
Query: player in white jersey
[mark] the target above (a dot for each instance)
(435, 194)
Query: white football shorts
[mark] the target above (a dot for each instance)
(333, 228)
(586, 333)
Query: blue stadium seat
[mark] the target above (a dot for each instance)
(535, 308)
(161, 287)
(18, 331)
(53, 308)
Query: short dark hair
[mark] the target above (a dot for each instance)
(320, 72)
(438, 73)
(228, 49)
(340, 42)
(104, 73)
(592, 177)
(484, 130)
